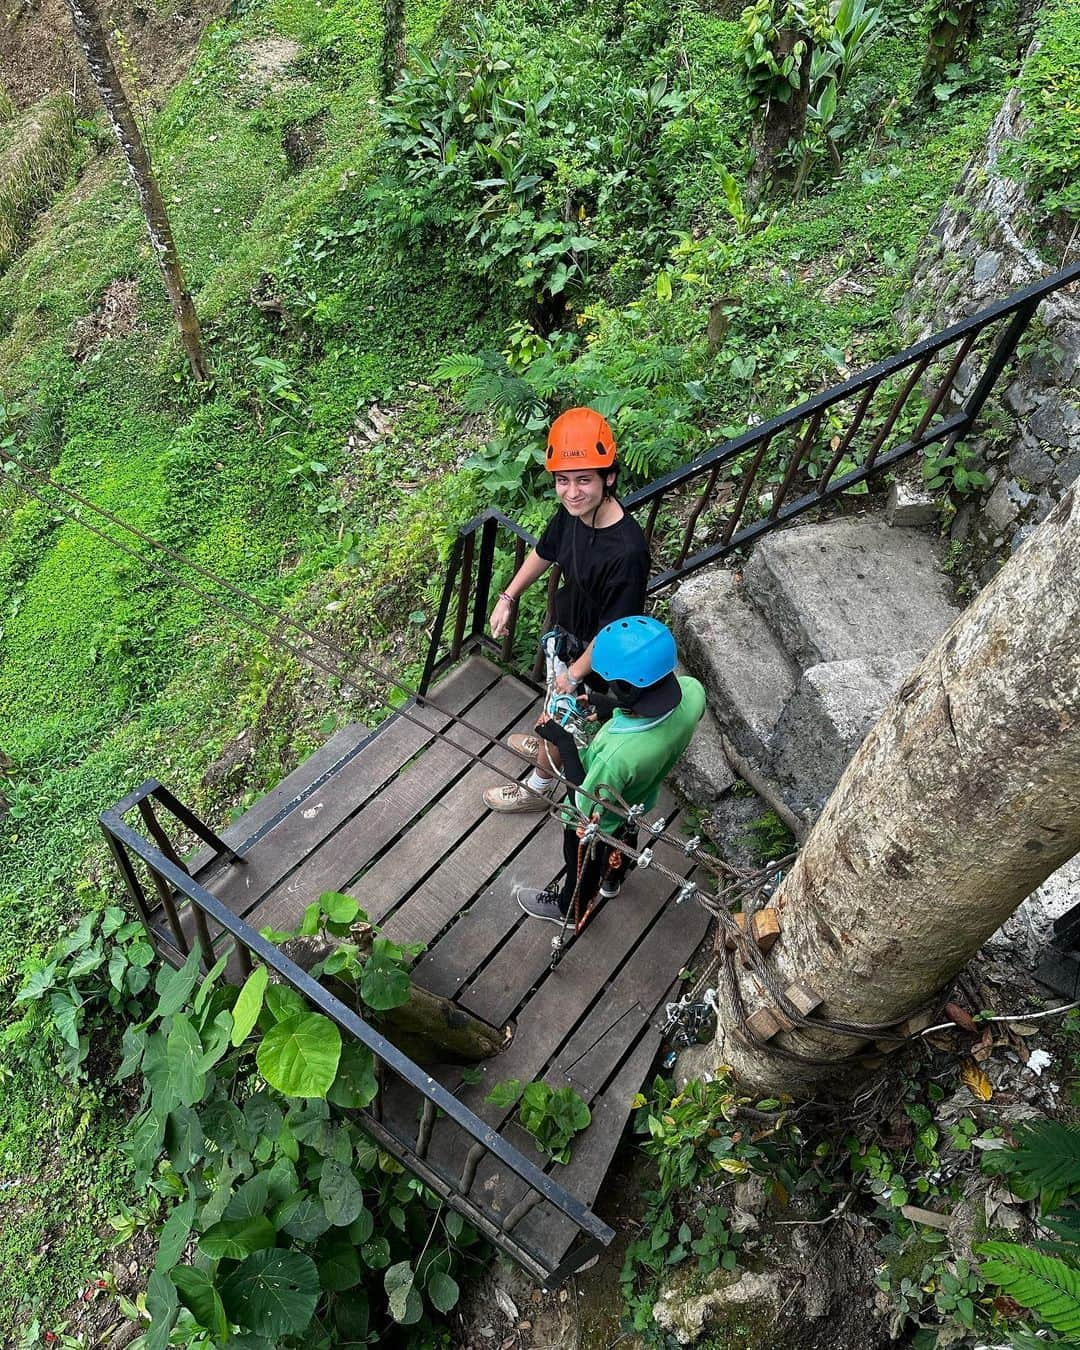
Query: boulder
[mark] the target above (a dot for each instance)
(850, 588)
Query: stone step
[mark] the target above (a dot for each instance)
(825, 721)
(850, 588)
(725, 642)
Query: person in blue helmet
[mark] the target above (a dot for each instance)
(647, 720)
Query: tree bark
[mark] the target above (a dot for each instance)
(95, 47)
(392, 53)
(781, 123)
(963, 798)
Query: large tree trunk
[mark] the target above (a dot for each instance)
(91, 37)
(780, 123)
(963, 798)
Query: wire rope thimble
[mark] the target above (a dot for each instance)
(687, 891)
(645, 858)
(691, 845)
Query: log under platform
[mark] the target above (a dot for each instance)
(396, 818)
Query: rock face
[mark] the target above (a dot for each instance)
(801, 656)
(981, 248)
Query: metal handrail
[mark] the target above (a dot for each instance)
(472, 600)
(172, 879)
(1014, 312)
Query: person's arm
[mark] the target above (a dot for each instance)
(572, 768)
(576, 671)
(530, 570)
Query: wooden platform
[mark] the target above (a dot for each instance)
(396, 818)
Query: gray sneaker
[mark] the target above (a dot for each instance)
(539, 904)
(516, 797)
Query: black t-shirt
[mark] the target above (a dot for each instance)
(603, 571)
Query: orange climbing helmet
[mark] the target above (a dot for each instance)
(579, 439)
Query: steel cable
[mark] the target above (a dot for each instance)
(714, 904)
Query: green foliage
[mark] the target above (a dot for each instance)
(551, 1115)
(278, 1186)
(697, 1144)
(952, 467)
(1048, 1286)
(768, 837)
(1047, 157)
(35, 152)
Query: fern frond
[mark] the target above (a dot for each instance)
(1048, 1155)
(1044, 1284)
(460, 367)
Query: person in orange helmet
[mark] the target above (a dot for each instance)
(604, 560)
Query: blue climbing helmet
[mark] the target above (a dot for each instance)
(637, 650)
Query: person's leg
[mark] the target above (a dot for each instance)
(555, 905)
(616, 864)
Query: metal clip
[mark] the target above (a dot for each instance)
(634, 815)
(691, 846)
(687, 891)
(645, 857)
(658, 826)
(556, 950)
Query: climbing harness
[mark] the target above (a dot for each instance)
(566, 709)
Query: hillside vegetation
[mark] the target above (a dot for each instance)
(554, 205)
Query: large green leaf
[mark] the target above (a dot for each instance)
(162, 1305)
(250, 1199)
(174, 1234)
(174, 987)
(183, 1052)
(281, 1003)
(355, 1085)
(184, 1138)
(300, 1056)
(341, 1193)
(443, 1291)
(398, 1282)
(198, 1295)
(1047, 1154)
(248, 1004)
(237, 1238)
(339, 1263)
(339, 908)
(1042, 1283)
(383, 984)
(215, 1040)
(272, 1293)
(302, 1217)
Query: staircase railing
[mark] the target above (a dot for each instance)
(929, 394)
(932, 393)
(182, 898)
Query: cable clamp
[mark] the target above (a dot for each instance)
(634, 815)
(645, 858)
(687, 891)
(691, 846)
(658, 826)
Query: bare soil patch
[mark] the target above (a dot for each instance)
(38, 53)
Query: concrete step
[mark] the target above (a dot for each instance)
(849, 589)
(824, 722)
(728, 645)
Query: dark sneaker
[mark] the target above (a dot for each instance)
(539, 904)
(611, 886)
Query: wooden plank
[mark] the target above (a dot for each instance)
(392, 746)
(434, 840)
(341, 856)
(545, 1229)
(485, 924)
(287, 794)
(523, 958)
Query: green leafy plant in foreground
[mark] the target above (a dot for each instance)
(551, 1115)
(247, 1143)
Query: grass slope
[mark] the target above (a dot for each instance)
(267, 152)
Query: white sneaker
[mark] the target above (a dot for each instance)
(516, 797)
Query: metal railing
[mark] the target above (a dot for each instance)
(181, 897)
(732, 495)
(727, 498)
